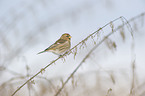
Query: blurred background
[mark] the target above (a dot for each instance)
(30, 26)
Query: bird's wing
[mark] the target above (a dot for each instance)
(60, 41)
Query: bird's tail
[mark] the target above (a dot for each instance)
(41, 52)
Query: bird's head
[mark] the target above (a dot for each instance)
(65, 36)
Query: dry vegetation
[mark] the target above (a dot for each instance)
(99, 82)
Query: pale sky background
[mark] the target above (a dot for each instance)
(30, 26)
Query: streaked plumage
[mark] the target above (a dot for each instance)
(60, 46)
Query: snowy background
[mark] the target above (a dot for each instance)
(29, 26)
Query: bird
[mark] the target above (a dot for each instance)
(61, 46)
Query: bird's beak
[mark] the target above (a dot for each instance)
(69, 37)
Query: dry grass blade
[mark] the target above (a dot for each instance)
(109, 92)
(132, 90)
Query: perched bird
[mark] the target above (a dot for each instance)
(60, 46)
